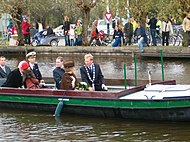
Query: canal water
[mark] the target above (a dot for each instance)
(37, 126)
(16, 125)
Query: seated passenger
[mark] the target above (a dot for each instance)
(49, 30)
(4, 70)
(30, 80)
(14, 79)
(69, 80)
(31, 58)
(58, 71)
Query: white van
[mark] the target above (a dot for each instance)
(102, 25)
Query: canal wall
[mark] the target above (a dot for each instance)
(173, 52)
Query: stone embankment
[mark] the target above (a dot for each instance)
(175, 52)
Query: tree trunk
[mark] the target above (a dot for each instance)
(143, 19)
(17, 19)
(85, 19)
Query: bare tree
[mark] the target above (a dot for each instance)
(85, 7)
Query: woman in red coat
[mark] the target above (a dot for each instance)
(26, 31)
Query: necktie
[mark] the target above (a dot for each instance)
(90, 69)
(166, 26)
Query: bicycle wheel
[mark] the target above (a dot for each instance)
(159, 40)
(179, 40)
(172, 41)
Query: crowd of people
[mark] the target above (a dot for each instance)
(122, 34)
(164, 28)
(28, 75)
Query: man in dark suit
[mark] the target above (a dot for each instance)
(92, 74)
(31, 58)
(58, 71)
(14, 79)
(4, 70)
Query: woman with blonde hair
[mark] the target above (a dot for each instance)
(66, 28)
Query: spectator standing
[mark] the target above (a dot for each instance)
(33, 31)
(4, 70)
(141, 37)
(117, 37)
(78, 31)
(58, 71)
(92, 74)
(26, 31)
(186, 28)
(166, 30)
(72, 36)
(128, 30)
(66, 28)
(134, 23)
(10, 29)
(40, 26)
(158, 25)
(152, 22)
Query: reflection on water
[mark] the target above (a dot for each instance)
(36, 126)
(112, 67)
(22, 126)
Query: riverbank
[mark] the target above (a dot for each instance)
(174, 52)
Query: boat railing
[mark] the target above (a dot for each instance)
(141, 87)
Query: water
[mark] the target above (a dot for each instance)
(35, 126)
(16, 125)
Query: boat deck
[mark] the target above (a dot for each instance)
(158, 91)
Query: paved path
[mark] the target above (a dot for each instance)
(176, 52)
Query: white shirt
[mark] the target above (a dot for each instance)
(3, 68)
(31, 66)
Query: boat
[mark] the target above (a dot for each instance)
(157, 101)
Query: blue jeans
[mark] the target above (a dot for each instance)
(79, 40)
(153, 35)
(117, 42)
(72, 42)
(140, 44)
(67, 41)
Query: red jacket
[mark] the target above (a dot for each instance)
(25, 26)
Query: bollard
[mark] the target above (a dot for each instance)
(135, 64)
(125, 76)
(162, 63)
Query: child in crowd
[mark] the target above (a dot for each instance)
(72, 36)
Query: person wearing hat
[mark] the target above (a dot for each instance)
(31, 58)
(69, 80)
(92, 74)
(14, 79)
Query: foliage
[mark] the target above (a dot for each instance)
(53, 11)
